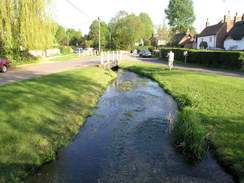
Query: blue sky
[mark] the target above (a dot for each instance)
(69, 17)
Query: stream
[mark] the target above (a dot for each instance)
(127, 140)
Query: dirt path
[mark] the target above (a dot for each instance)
(30, 71)
(192, 68)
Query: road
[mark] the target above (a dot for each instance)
(30, 71)
(192, 68)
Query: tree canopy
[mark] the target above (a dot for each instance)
(25, 23)
(94, 34)
(180, 14)
(149, 27)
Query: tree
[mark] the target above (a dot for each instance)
(26, 23)
(163, 32)
(149, 27)
(180, 14)
(94, 34)
(126, 31)
(74, 37)
(60, 36)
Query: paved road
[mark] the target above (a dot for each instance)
(192, 68)
(30, 71)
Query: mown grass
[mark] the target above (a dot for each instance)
(40, 115)
(212, 108)
(59, 58)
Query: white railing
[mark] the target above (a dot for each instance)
(111, 58)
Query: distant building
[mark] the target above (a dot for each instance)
(184, 40)
(235, 38)
(213, 36)
(157, 41)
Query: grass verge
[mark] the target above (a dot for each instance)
(59, 58)
(40, 115)
(212, 107)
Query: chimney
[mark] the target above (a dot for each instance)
(227, 17)
(207, 23)
(237, 18)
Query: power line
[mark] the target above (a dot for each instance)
(78, 9)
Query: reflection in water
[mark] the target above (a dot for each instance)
(127, 140)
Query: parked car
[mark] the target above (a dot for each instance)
(147, 54)
(141, 52)
(4, 64)
(78, 50)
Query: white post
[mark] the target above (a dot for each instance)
(102, 59)
(113, 56)
(108, 57)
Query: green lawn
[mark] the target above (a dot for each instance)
(217, 100)
(59, 58)
(39, 115)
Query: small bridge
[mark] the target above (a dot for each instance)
(109, 60)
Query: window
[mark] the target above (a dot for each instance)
(210, 39)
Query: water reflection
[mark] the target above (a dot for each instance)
(127, 140)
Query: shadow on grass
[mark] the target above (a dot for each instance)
(40, 115)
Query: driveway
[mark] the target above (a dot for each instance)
(30, 71)
(192, 68)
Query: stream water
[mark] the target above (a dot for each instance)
(127, 140)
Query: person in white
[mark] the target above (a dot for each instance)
(171, 57)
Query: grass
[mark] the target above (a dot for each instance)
(40, 115)
(212, 107)
(58, 58)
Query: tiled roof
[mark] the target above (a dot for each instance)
(237, 33)
(211, 30)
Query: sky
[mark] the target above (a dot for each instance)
(66, 15)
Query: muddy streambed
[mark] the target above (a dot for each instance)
(127, 140)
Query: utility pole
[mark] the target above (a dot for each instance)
(99, 36)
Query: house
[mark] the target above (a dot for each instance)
(184, 40)
(213, 36)
(235, 38)
(157, 41)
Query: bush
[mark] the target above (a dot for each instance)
(16, 55)
(189, 135)
(66, 50)
(224, 59)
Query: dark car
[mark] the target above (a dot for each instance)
(4, 65)
(147, 54)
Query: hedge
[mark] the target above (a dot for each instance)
(66, 50)
(224, 59)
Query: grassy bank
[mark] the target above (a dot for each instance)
(40, 115)
(59, 58)
(212, 108)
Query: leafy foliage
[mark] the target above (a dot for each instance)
(180, 14)
(224, 59)
(94, 34)
(149, 27)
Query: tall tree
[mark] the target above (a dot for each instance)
(127, 31)
(149, 27)
(60, 36)
(74, 37)
(94, 34)
(180, 14)
(26, 23)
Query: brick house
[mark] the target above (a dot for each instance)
(213, 36)
(235, 38)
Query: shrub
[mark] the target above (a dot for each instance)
(66, 50)
(225, 59)
(16, 55)
(189, 135)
